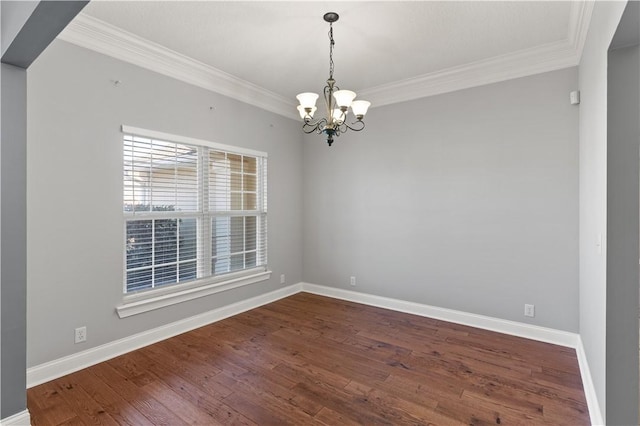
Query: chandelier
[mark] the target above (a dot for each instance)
(337, 102)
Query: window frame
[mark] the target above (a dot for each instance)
(145, 300)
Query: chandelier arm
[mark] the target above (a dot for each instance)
(311, 130)
(359, 127)
(308, 122)
(310, 127)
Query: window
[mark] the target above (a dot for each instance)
(195, 212)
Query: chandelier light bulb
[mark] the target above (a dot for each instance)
(344, 98)
(307, 99)
(359, 108)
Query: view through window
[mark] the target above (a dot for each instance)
(191, 212)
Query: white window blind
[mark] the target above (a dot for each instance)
(192, 212)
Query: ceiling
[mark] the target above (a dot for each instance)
(388, 51)
(628, 32)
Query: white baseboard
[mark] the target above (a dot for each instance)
(533, 332)
(587, 383)
(59, 367)
(21, 419)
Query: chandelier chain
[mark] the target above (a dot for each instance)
(331, 43)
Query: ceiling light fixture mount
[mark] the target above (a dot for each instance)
(337, 101)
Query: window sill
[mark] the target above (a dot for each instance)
(140, 303)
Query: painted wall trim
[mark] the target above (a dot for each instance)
(550, 57)
(533, 332)
(23, 418)
(97, 35)
(91, 33)
(579, 20)
(135, 305)
(62, 366)
(589, 389)
(536, 60)
(57, 368)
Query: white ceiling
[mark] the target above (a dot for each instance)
(390, 51)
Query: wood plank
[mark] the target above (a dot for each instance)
(87, 409)
(47, 406)
(74, 421)
(308, 359)
(202, 391)
(182, 407)
(268, 382)
(193, 372)
(267, 406)
(422, 390)
(141, 400)
(115, 405)
(328, 417)
(348, 404)
(391, 405)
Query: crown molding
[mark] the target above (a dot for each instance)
(536, 60)
(97, 35)
(94, 34)
(579, 20)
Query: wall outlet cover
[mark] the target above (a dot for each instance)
(529, 311)
(80, 335)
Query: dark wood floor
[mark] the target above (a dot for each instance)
(308, 359)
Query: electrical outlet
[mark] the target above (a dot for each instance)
(282, 279)
(353, 281)
(81, 335)
(529, 311)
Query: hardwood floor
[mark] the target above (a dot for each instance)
(309, 359)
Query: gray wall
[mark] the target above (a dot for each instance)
(23, 37)
(14, 15)
(623, 161)
(467, 200)
(593, 190)
(12, 245)
(74, 191)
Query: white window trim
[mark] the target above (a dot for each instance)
(146, 301)
(149, 300)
